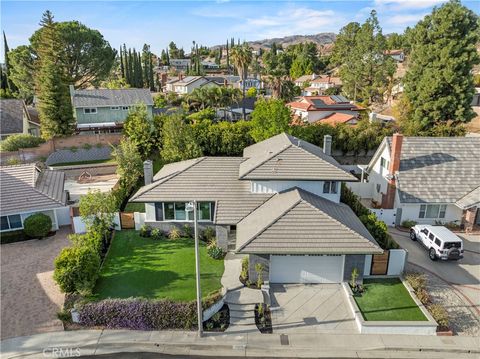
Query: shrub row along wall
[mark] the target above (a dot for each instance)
(143, 314)
(47, 148)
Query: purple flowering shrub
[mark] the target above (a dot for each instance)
(139, 314)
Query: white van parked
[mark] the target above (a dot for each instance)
(439, 241)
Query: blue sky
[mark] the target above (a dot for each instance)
(209, 22)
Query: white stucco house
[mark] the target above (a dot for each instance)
(430, 179)
(279, 203)
(186, 85)
(26, 190)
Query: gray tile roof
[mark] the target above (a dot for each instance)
(205, 179)
(11, 116)
(285, 157)
(438, 169)
(24, 188)
(109, 97)
(469, 200)
(299, 222)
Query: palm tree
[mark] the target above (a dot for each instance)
(241, 57)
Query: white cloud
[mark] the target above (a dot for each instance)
(405, 19)
(408, 4)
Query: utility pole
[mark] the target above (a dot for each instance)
(197, 270)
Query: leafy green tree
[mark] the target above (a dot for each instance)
(97, 210)
(439, 85)
(6, 80)
(55, 107)
(269, 118)
(85, 56)
(22, 71)
(252, 92)
(129, 162)
(179, 143)
(138, 128)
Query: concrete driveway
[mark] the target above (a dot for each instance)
(310, 308)
(464, 274)
(30, 299)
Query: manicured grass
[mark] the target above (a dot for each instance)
(110, 160)
(144, 267)
(134, 207)
(387, 299)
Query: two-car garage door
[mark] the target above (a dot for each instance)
(306, 269)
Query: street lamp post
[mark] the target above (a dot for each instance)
(197, 266)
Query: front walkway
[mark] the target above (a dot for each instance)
(240, 299)
(311, 308)
(30, 299)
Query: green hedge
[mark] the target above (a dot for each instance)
(12, 237)
(15, 142)
(377, 228)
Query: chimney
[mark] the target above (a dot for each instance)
(327, 145)
(396, 150)
(148, 171)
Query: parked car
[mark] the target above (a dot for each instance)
(439, 241)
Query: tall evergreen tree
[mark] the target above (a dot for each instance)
(55, 108)
(228, 58)
(439, 84)
(7, 81)
(122, 68)
(151, 76)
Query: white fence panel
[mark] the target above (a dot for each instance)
(63, 216)
(396, 261)
(80, 226)
(368, 265)
(139, 220)
(362, 189)
(386, 215)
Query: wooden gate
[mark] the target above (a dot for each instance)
(380, 263)
(127, 220)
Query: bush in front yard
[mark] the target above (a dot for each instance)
(139, 314)
(15, 142)
(416, 280)
(408, 223)
(37, 225)
(76, 269)
(440, 314)
(215, 251)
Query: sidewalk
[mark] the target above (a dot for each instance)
(97, 342)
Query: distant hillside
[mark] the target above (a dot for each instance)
(319, 39)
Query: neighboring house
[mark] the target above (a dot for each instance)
(105, 110)
(320, 84)
(279, 203)
(249, 83)
(378, 117)
(15, 119)
(186, 85)
(180, 64)
(430, 179)
(26, 190)
(397, 55)
(235, 111)
(311, 109)
(209, 65)
(305, 79)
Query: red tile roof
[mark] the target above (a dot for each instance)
(336, 118)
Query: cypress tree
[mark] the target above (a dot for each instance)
(55, 108)
(8, 82)
(150, 73)
(228, 58)
(130, 68)
(122, 69)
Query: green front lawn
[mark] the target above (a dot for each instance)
(143, 267)
(387, 299)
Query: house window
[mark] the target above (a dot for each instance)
(384, 163)
(177, 211)
(330, 187)
(11, 222)
(115, 108)
(432, 211)
(90, 111)
(125, 108)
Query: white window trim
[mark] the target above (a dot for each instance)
(10, 229)
(186, 220)
(90, 113)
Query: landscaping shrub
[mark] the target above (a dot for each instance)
(208, 234)
(157, 234)
(440, 314)
(14, 236)
(259, 269)
(408, 223)
(37, 225)
(139, 314)
(76, 269)
(145, 231)
(15, 142)
(416, 280)
(215, 251)
(423, 296)
(244, 272)
(175, 233)
(188, 231)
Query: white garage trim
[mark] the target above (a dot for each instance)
(307, 269)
